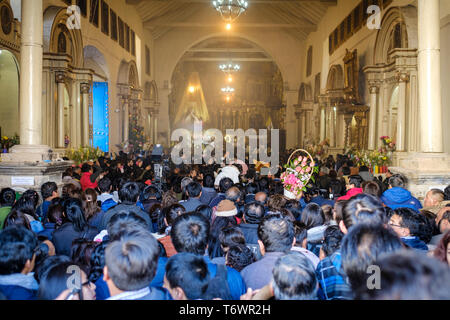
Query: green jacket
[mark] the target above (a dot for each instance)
(4, 211)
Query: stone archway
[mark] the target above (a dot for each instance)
(9, 91)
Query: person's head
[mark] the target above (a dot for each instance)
(294, 278)
(17, 217)
(124, 223)
(190, 233)
(312, 216)
(98, 261)
(276, 202)
(251, 188)
(89, 201)
(17, 250)
(41, 269)
(81, 252)
(336, 188)
(239, 256)
(150, 193)
(233, 194)
(360, 208)
(7, 197)
(205, 211)
(301, 234)
(397, 180)
(332, 239)
(442, 251)
(105, 185)
(261, 197)
(55, 214)
(346, 171)
(71, 191)
(194, 190)
(433, 198)
(73, 209)
(168, 198)
(444, 223)
(86, 167)
(372, 188)
(187, 276)
(173, 212)
(275, 234)
(230, 236)
(253, 213)
(57, 278)
(225, 184)
(362, 246)
(208, 181)
(354, 181)
(49, 190)
(408, 275)
(406, 222)
(129, 193)
(294, 207)
(131, 262)
(29, 199)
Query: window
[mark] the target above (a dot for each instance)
(309, 62)
(357, 18)
(83, 7)
(316, 88)
(336, 38)
(127, 37)
(147, 60)
(133, 43)
(93, 18)
(330, 44)
(121, 33)
(113, 17)
(342, 32)
(349, 27)
(105, 18)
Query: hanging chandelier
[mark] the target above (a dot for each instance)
(227, 90)
(230, 9)
(229, 68)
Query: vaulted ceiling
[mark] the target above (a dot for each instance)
(295, 17)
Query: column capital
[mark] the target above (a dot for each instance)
(60, 76)
(85, 88)
(374, 89)
(402, 76)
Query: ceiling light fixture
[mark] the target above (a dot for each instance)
(230, 9)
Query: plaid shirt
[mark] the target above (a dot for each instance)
(332, 280)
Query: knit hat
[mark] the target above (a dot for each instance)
(226, 208)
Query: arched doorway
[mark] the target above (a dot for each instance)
(9, 91)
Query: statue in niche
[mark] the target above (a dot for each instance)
(62, 43)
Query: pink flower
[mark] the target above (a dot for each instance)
(296, 163)
(308, 170)
(312, 165)
(298, 169)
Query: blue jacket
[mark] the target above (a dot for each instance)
(400, 198)
(19, 286)
(415, 243)
(322, 201)
(42, 210)
(49, 228)
(207, 195)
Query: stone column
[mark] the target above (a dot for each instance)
(429, 67)
(155, 125)
(402, 79)
(333, 127)
(60, 78)
(298, 116)
(322, 123)
(348, 121)
(126, 119)
(374, 91)
(85, 88)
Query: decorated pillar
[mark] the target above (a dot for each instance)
(84, 90)
(374, 92)
(402, 79)
(60, 79)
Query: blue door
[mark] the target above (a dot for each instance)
(100, 119)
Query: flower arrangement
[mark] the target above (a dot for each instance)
(83, 154)
(298, 173)
(8, 142)
(388, 144)
(136, 137)
(318, 150)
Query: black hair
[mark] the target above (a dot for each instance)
(86, 167)
(55, 214)
(231, 235)
(397, 180)
(7, 197)
(41, 269)
(172, 212)
(225, 184)
(408, 275)
(208, 181)
(276, 233)
(150, 192)
(98, 261)
(205, 211)
(81, 252)
(300, 233)
(356, 180)
(74, 213)
(447, 193)
(188, 272)
(122, 223)
(17, 245)
(417, 223)
(239, 256)
(294, 207)
(17, 217)
(214, 248)
(332, 239)
(190, 233)
(346, 171)
(361, 247)
(312, 216)
(48, 188)
(363, 208)
(104, 185)
(129, 193)
(251, 188)
(194, 189)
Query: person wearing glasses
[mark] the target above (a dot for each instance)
(411, 227)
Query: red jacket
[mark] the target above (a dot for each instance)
(351, 193)
(85, 181)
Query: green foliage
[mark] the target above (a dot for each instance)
(83, 154)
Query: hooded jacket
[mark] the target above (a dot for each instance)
(350, 193)
(400, 198)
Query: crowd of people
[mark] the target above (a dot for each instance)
(117, 231)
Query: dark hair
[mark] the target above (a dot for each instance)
(17, 245)
(188, 272)
(55, 214)
(225, 184)
(190, 233)
(362, 246)
(253, 213)
(41, 269)
(208, 181)
(214, 248)
(16, 217)
(7, 197)
(239, 256)
(123, 223)
(294, 207)
(327, 213)
(346, 171)
(81, 252)
(300, 232)
(172, 212)
(362, 208)
(104, 185)
(251, 188)
(440, 252)
(193, 189)
(294, 278)
(205, 211)
(447, 193)
(71, 191)
(75, 214)
(90, 205)
(150, 192)
(169, 198)
(417, 224)
(129, 193)
(408, 275)
(97, 261)
(276, 202)
(276, 233)
(336, 188)
(356, 180)
(231, 235)
(48, 188)
(86, 167)
(313, 216)
(54, 282)
(397, 180)
(372, 188)
(132, 261)
(332, 239)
